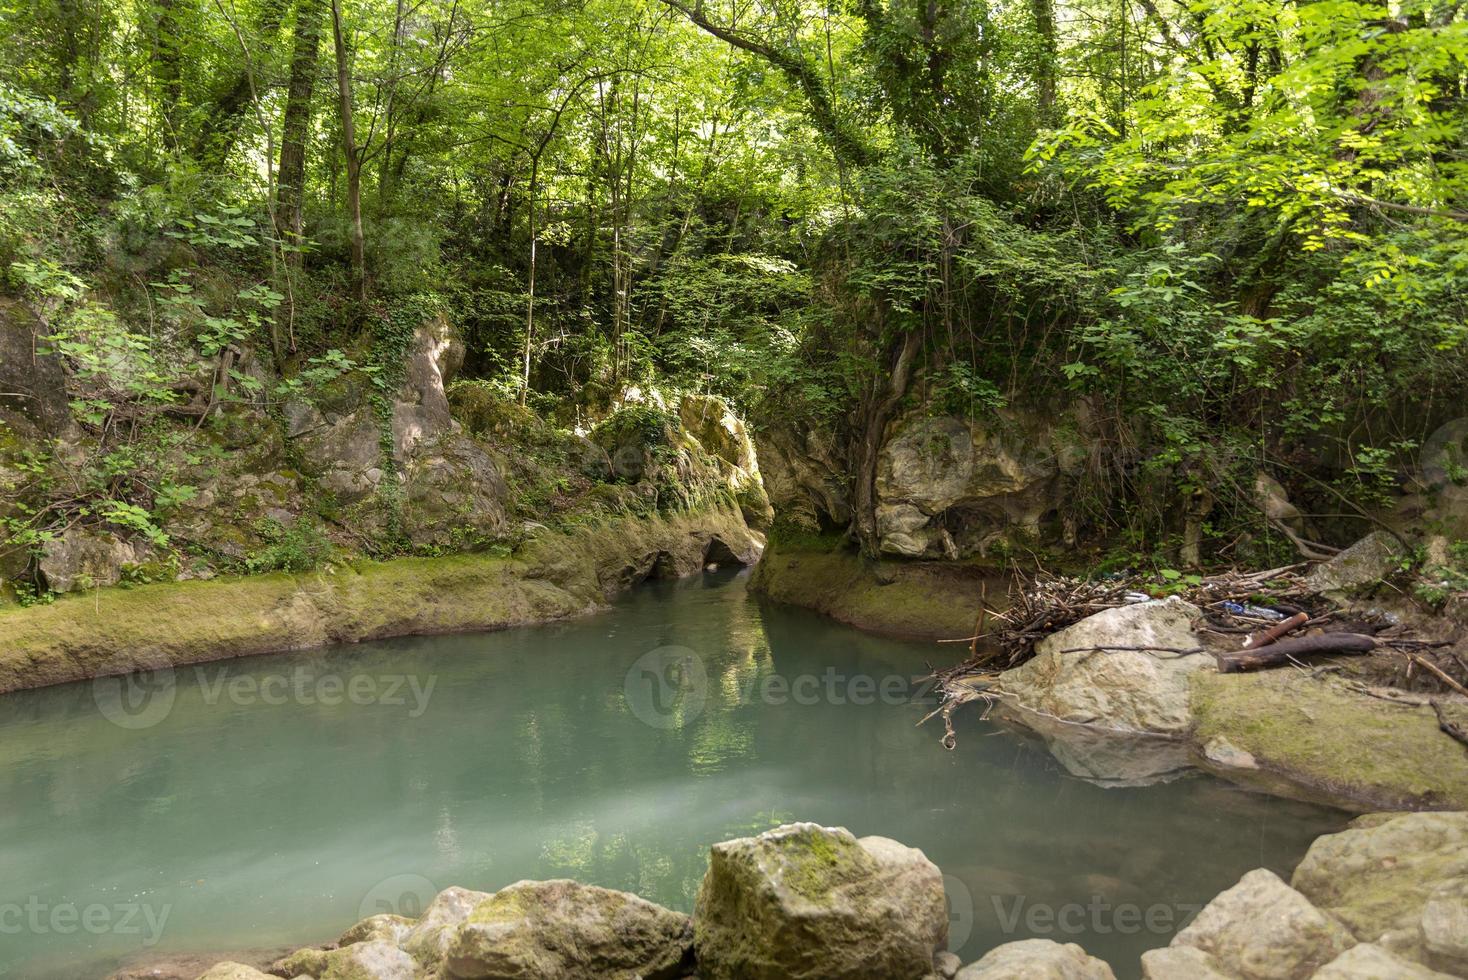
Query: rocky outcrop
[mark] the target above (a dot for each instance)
(805, 478)
(429, 940)
(82, 559)
(803, 902)
(949, 487)
(1399, 881)
(553, 576)
(562, 930)
(723, 435)
(1121, 669)
(1037, 959)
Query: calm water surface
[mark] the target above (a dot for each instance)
(277, 800)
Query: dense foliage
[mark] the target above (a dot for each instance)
(1234, 227)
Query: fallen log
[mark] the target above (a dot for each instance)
(1264, 638)
(1276, 654)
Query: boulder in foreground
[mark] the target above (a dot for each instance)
(805, 902)
(1037, 959)
(564, 930)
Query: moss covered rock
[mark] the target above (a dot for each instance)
(804, 902)
(433, 933)
(563, 930)
(1400, 882)
(1316, 738)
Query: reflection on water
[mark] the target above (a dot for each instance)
(276, 800)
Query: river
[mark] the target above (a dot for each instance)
(277, 800)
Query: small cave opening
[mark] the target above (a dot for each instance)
(718, 554)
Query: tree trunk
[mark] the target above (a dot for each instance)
(351, 153)
(1044, 12)
(864, 513)
(296, 129)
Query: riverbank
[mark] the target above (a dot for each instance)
(1384, 897)
(1132, 718)
(924, 600)
(555, 575)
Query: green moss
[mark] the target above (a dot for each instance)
(1333, 743)
(554, 576)
(816, 863)
(928, 600)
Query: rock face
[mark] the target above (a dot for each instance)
(1399, 881)
(950, 487)
(82, 559)
(1138, 691)
(453, 494)
(1260, 929)
(1037, 959)
(562, 930)
(33, 396)
(724, 436)
(804, 902)
(805, 478)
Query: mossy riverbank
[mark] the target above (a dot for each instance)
(926, 600)
(554, 576)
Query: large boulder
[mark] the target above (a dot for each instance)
(1397, 880)
(724, 436)
(1037, 959)
(804, 902)
(82, 559)
(372, 959)
(1118, 670)
(1262, 929)
(431, 936)
(454, 495)
(420, 411)
(952, 487)
(563, 930)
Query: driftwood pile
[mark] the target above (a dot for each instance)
(1251, 620)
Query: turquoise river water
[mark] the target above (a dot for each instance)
(277, 800)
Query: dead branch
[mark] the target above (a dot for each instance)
(1276, 654)
(1448, 726)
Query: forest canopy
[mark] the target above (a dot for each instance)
(1233, 229)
